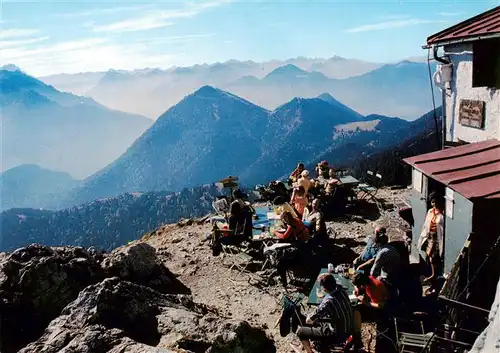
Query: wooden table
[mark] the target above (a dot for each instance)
(341, 280)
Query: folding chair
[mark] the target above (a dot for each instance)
(236, 256)
(272, 253)
(221, 206)
(370, 188)
(413, 342)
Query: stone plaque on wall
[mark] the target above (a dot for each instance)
(471, 113)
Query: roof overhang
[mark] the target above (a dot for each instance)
(461, 41)
(472, 170)
(486, 25)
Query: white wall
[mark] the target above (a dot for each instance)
(461, 88)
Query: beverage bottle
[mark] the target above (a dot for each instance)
(330, 268)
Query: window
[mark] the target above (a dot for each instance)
(486, 63)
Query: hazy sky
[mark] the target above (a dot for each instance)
(45, 37)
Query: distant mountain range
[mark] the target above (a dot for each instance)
(400, 89)
(60, 131)
(30, 186)
(105, 224)
(211, 134)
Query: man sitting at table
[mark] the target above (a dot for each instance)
(387, 266)
(333, 320)
(367, 258)
(297, 234)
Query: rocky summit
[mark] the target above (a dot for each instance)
(69, 299)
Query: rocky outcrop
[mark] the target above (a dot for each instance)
(36, 283)
(122, 302)
(116, 313)
(139, 264)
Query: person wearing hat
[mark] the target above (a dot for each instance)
(332, 319)
(304, 181)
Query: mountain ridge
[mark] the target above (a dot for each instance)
(212, 133)
(63, 128)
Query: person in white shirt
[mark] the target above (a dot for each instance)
(304, 181)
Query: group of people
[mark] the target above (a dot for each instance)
(385, 282)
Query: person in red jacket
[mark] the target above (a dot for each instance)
(372, 295)
(296, 233)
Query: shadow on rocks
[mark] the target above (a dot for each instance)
(115, 313)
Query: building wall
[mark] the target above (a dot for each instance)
(461, 88)
(457, 229)
(458, 219)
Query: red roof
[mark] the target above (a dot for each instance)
(472, 170)
(483, 25)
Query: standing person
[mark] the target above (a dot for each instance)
(299, 200)
(304, 181)
(431, 237)
(296, 172)
(333, 318)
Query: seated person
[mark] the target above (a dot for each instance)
(386, 265)
(284, 206)
(371, 292)
(332, 320)
(297, 172)
(372, 296)
(367, 258)
(323, 170)
(299, 200)
(277, 188)
(315, 221)
(303, 181)
(296, 231)
(332, 182)
(240, 217)
(297, 234)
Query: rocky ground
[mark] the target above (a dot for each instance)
(162, 293)
(184, 249)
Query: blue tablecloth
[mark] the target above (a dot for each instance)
(262, 219)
